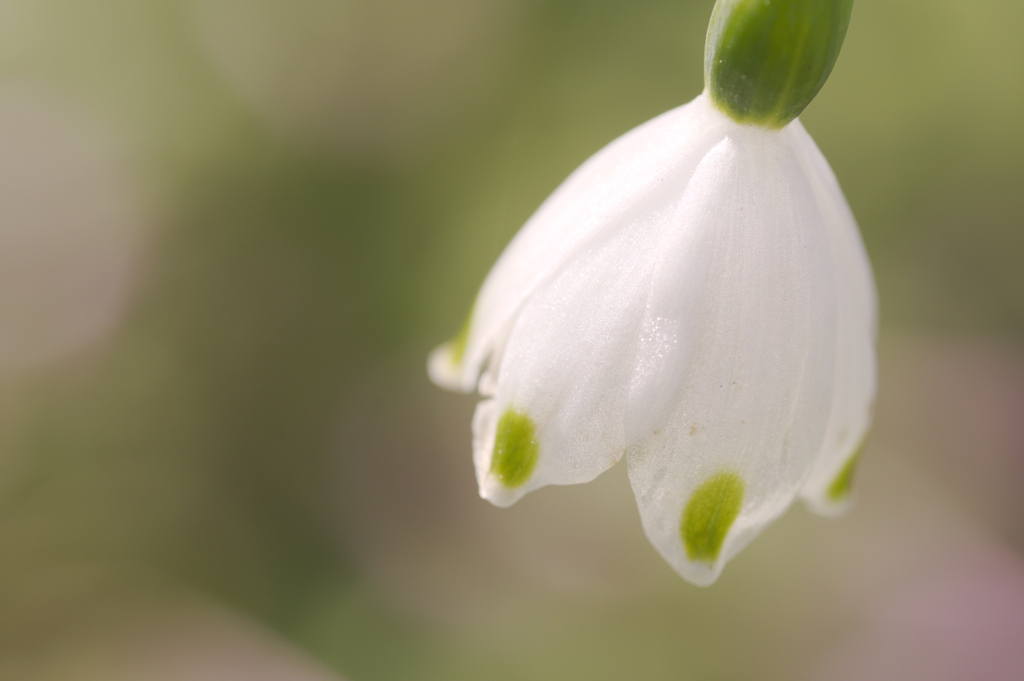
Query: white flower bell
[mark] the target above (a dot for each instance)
(695, 296)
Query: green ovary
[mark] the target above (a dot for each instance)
(709, 514)
(842, 484)
(515, 449)
(765, 60)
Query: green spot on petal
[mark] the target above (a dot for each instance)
(709, 514)
(457, 344)
(841, 486)
(515, 449)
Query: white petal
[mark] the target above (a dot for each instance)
(613, 188)
(732, 401)
(572, 348)
(567, 359)
(827, 489)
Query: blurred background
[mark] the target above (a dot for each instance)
(231, 230)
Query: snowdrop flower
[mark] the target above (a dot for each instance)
(696, 297)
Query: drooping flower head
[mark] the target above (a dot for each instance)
(695, 296)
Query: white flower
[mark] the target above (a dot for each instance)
(695, 296)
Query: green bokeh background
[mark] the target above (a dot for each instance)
(322, 185)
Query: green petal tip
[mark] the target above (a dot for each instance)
(709, 514)
(457, 345)
(515, 449)
(842, 484)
